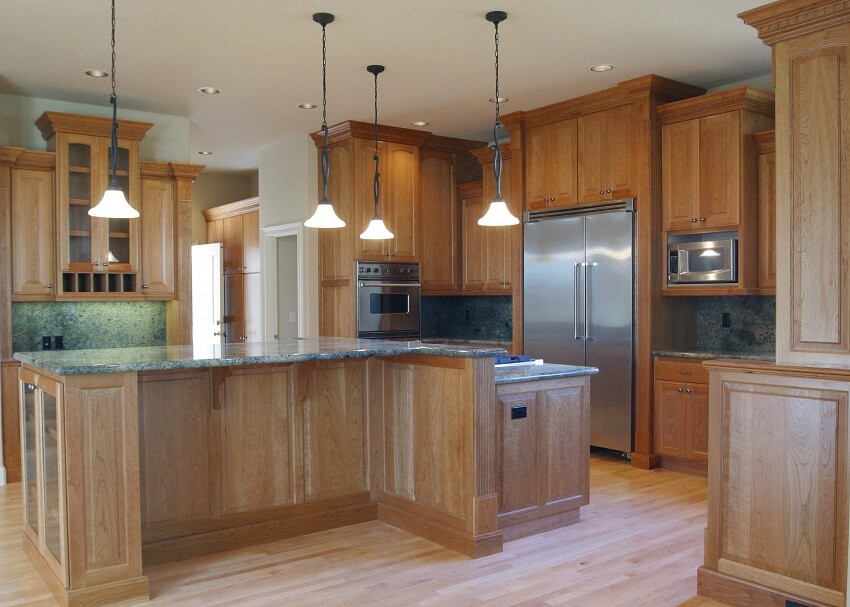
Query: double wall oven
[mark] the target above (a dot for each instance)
(388, 295)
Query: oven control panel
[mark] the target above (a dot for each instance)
(378, 270)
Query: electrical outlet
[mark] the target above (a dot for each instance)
(727, 320)
(59, 342)
(46, 343)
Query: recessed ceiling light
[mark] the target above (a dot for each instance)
(97, 73)
(205, 153)
(419, 123)
(307, 106)
(602, 67)
(500, 99)
(209, 90)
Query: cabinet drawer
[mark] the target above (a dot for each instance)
(681, 369)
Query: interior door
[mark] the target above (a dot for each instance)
(207, 294)
(552, 323)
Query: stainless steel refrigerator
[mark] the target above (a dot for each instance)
(578, 306)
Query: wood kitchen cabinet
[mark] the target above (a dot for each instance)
(551, 164)
(157, 218)
(33, 238)
(474, 237)
(242, 308)
(766, 149)
(439, 222)
(542, 454)
(681, 413)
(605, 144)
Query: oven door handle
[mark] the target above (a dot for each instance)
(389, 284)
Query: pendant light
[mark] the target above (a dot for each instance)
(498, 213)
(324, 217)
(376, 229)
(114, 204)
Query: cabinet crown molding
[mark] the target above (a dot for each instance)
(231, 209)
(393, 134)
(468, 190)
(786, 19)
(741, 98)
(486, 154)
(50, 123)
(170, 170)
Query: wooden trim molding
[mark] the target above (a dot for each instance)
(393, 134)
(36, 161)
(468, 190)
(169, 170)
(741, 98)
(765, 142)
(779, 21)
(770, 368)
(8, 156)
(486, 154)
(736, 593)
(50, 123)
(232, 209)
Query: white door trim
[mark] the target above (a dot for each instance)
(268, 261)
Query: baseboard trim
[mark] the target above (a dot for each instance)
(176, 549)
(473, 546)
(683, 465)
(644, 461)
(539, 525)
(739, 593)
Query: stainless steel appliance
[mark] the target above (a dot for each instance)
(578, 306)
(388, 295)
(708, 261)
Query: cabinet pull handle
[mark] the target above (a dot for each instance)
(702, 218)
(105, 264)
(693, 219)
(688, 390)
(608, 190)
(679, 390)
(217, 333)
(244, 338)
(96, 264)
(48, 286)
(144, 286)
(601, 191)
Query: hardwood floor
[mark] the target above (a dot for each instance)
(639, 543)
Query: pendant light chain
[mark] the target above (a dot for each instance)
(326, 165)
(377, 183)
(497, 156)
(113, 99)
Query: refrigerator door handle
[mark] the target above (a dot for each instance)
(576, 267)
(587, 266)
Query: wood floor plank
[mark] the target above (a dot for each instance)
(639, 544)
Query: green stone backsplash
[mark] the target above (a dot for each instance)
(88, 324)
(753, 326)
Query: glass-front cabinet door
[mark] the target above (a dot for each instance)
(44, 469)
(119, 251)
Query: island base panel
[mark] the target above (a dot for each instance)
(736, 593)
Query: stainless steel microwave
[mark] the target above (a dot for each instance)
(702, 262)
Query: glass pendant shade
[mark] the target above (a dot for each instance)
(113, 205)
(498, 215)
(325, 217)
(376, 230)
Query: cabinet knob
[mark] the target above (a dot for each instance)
(688, 390)
(507, 283)
(217, 333)
(702, 218)
(608, 190)
(601, 191)
(244, 338)
(679, 390)
(693, 219)
(96, 264)
(105, 264)
(48, 286)
(144, 286)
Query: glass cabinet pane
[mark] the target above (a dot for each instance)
(30, 483)
(50, 475)
(80, 192)
(119, 229)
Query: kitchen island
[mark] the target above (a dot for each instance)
(156, 454)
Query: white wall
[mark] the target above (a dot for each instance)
(287, 287)
(168, 140)
(762, 81)
(288, 194)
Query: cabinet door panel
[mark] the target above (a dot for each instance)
(518, 477)
(592, 172)
(680, 158)
(438, 210)
(215, 231)
(33, 244)
(563, 162)
(79, 189)
(157, 219)
(257, 440)
(563, 425)
(719, 170)
(697, 439)
(251, 242)
(619, 151)
(767, 220)
(474, 248)
(536, 163)
(365, 199)
(334, 431)
(119, 243)
(337, 318)
(670, 419)
(402, 185)
(499, 239)
(336, 247)
(252, 307)
(232, 252)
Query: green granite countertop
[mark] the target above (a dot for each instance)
(157, 358)
(711, 354)
(521, 373)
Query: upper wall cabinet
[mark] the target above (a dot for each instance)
(237, 226)
(766, 148)
(438, 222)
(605, 154)
(708, 161)
(33, 238)
(551, 164)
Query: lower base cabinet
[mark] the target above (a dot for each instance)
(681, 413)
(543, 454)
(778, 486)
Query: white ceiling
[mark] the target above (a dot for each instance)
(266, 57)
